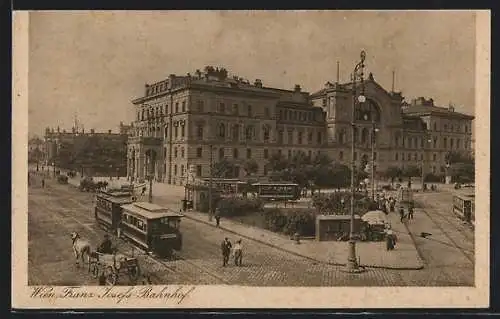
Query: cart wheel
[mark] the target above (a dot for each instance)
(134, 272)
(111, 276)
(94, 269)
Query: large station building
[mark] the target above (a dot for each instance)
(182, 120)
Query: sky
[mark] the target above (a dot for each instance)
(93, 63)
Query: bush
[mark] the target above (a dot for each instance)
(432, 178)
(203, 206)
(333, 203)
(280, 221)
(239, 206)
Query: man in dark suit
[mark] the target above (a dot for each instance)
(226, 250)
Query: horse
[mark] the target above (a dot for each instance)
(80, 247)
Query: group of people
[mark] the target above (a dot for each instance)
(385, 204)
(237, 249)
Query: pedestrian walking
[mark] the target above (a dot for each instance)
(43, 182)
(226, 251)
(217, 219)
(410, 212)
(401, 213)
(238, 253)
(389, 241)
(143, 191)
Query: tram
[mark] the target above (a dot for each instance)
(463, 207)
(107, 210)
(277, 191)
(152, 227)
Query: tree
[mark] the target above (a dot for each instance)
(453, 157)
(251, 167)
(277, 163)
(463, 172)
(223, 169)
(393, 172)
(411, 171)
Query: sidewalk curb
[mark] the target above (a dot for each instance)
(414, 240)
(297, 254)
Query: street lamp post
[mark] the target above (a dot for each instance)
(374, 145)
(374, 130)
(352, 263)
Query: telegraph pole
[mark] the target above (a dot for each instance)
(210, 185)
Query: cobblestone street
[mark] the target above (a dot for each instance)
(59, 209)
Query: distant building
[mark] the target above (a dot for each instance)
(93, 152)
(182, 120)
(36, 149)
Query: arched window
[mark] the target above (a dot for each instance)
(342, 136)
(222, 130)
(221, 153)
(199, 131)
(368, 111)
(356, 134)
(249, 132)
(266, 130)
(236, 132)
(364, 135)
(397, 139)
(280, 137)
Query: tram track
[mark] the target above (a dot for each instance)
(184, 269)
(464, 251)
(451, 220)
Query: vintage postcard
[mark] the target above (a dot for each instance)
(250, 159)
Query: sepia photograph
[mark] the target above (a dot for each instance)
(167, 153)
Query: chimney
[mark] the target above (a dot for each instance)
(297, 88)
(258, 83)
(109, 131)
(92, 131)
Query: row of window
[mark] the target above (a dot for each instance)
(452, 128)
(134, 221)
(416, 142)
(234, 110)
(181, 107)
(296, 115)
(300, 137)
(342, 136)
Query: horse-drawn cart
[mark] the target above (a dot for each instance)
(109, 266)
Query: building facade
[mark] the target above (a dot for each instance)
(184, 123)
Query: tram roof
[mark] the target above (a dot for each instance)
(119, 197)
(150, 210)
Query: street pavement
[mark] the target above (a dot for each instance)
(59, 209)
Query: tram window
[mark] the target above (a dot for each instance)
(174, 223)
(155, 225)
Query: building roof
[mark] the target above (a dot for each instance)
(215, 81)
(436, 110)
(150, 210)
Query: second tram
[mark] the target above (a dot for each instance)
(277, 191)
